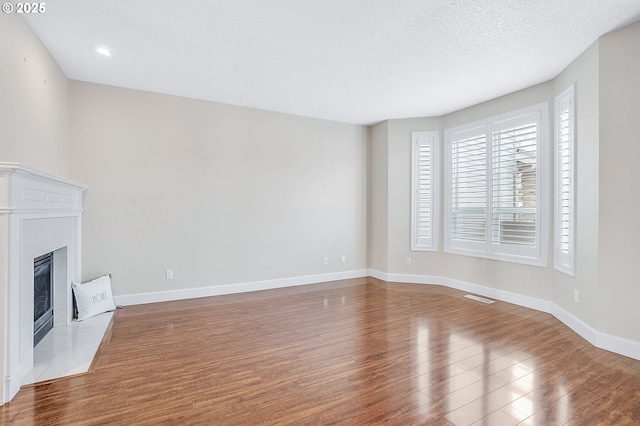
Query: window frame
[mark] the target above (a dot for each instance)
(564, 260)
(532, 255)
(431, 138)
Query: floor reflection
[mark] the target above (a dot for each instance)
(476, 380)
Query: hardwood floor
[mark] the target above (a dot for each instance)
(353, 352)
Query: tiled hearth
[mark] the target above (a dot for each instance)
(69, 350)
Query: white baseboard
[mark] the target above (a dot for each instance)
(505, 296)
(218, 290)
(597, 338)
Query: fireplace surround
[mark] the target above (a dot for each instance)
(39, 213)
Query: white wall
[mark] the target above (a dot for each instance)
(33, 101)
(218, 193)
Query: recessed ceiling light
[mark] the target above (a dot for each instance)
(104, 51)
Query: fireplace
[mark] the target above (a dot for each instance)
(39, 214)
(42, 296)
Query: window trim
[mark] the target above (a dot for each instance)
(564, 262)
(537, 256)
(432, 138)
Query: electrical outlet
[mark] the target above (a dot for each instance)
(344, 259)
(169, 274)
(407, 261)
(576, 296)
(325, 260)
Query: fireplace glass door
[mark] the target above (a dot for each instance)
(42, 296)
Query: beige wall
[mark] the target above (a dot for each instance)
(583, 72)
(607, 199)
(378, 197)
(33, 131)
(218, 193)
(522, 279)
(33, 101)
(224, 194)
(399, 178)
(618, 274)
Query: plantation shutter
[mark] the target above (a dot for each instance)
(425, 187)
(514, 183)
(468, 188)
(423, 224)
(495, 183)
(564, 186)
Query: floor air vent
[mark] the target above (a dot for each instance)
(479, 299)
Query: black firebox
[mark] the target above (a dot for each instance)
(42, 296)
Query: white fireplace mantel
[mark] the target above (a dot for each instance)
(39, 213)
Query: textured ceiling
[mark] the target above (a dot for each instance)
(355, 61)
